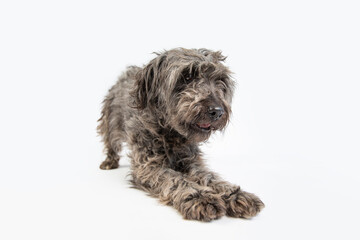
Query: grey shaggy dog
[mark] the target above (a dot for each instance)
(163, 111)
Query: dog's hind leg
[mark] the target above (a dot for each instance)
(112, 159)
(110, 128)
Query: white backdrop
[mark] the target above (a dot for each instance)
(293, 139)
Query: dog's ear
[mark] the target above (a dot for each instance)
(147, 83)
(143, 82)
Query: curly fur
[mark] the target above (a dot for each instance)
(162, 112)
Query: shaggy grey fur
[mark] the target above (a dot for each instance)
(163, 111)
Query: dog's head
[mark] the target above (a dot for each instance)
(189, 89)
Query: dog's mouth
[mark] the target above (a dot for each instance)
(206, 127)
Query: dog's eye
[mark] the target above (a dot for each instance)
(188, 77)
(221, 85)
(189, 74)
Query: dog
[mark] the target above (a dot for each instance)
(163, 111)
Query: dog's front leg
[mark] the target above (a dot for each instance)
(192, 200)
(238, 202)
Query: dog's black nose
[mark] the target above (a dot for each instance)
(215, 113)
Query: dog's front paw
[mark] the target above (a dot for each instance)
(243, 204)
(203, 207)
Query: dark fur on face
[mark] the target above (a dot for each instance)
(163, 111)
